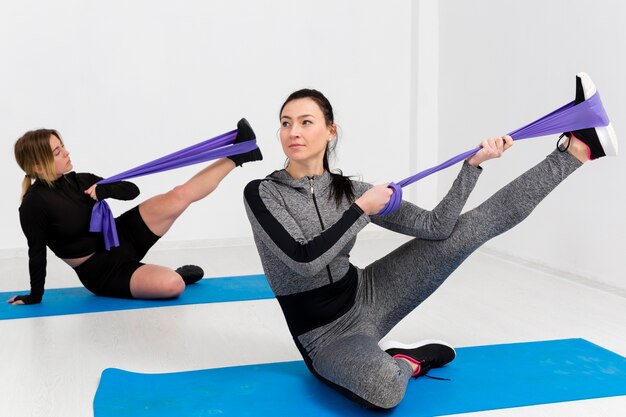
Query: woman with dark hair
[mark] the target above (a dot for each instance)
(56, 209)
(305, 219)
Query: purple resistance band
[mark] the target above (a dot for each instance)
(572, 116)
(218, 147)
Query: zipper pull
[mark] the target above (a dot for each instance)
(311, 184)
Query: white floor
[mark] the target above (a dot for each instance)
(51, 366)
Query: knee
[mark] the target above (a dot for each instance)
(375, 387)
(179, 198)
(387, 394)
(173, 286)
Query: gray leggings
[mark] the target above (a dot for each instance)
(345, 353)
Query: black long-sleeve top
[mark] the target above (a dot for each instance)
(58, 217)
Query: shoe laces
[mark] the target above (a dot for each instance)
(423, 367)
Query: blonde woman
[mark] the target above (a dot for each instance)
(56, 209)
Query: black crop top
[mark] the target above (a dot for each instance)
(59, 217)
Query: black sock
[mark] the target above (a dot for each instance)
(190, 273)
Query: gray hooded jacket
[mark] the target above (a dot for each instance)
(304, 239)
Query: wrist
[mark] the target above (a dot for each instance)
(362, 205)
(473, 161)
(28, 299)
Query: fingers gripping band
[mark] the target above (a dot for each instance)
(590, 113)
(394, 201)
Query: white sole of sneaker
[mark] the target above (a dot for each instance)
(608, 139)
(606, 134)
(589, 88)
(390, 344)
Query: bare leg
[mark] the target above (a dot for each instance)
(155, 281)
(160, 212)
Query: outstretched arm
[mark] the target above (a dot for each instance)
(438, 223)
(435, 224)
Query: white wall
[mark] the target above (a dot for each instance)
(423, 147)
(128, 81)
(505, 63)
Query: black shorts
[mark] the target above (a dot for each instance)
(108, 273)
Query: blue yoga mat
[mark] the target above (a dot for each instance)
(78, 300)
(481, 378)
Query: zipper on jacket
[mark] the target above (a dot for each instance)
(319, 216)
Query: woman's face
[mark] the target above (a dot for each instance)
(62, 161)
(304, 134)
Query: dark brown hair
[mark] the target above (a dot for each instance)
(341, 186)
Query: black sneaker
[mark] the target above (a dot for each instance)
(190, 273)
(427, 354)
(245, 133)
(601, 140)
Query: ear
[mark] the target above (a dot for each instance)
(38, 170)
(333, 132)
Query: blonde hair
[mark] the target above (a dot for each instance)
(34, 155)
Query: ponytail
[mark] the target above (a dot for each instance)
(26, 183)
(34, 155)
(340, 185)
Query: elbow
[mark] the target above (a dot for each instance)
(445, 232)
(441, 230)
